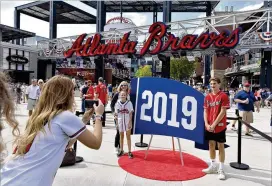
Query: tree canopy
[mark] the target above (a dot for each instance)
(181, 68)
(144, 71)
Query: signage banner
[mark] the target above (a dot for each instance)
(93, 46)
(17, 59)
(167, 107)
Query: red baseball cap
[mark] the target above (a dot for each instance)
(246, 84)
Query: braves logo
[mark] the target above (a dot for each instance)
(123, 111)
(266, 36)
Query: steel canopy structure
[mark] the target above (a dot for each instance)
(151, 6)
(9, 33)
(65, 13)
(249, 39)
(54, 12)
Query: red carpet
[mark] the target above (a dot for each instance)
(163, 165)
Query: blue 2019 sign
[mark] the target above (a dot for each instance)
(167, 107)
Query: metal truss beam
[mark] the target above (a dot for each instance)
(249, 39)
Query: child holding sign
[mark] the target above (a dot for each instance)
(123, 116)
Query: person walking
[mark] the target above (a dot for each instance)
(102, 94)
(51, 130)
(40, 83)
(246, 100)
(122, 87)
(83, 93)
(215, 110)
(263, 95)
(32, 95)
(24, 87)
(269, 99)
(18, 93)
(231, 96)
(110, 91)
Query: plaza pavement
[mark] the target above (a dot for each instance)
(100, 167)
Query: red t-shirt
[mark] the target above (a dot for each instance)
(90, 92)
(213, 104)
(101, 90)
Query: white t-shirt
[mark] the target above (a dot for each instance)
(39, 165)
(33, 92)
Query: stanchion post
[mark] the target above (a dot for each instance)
(238, 164)
(239, 140)
(141, 143)
(78, 158)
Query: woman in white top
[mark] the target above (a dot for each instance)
(50, 130)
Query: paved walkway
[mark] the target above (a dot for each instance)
(101, 167)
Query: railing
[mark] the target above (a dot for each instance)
(239, 164)
(241, 66)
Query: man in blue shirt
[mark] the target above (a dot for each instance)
(110, 91)
(246, 99)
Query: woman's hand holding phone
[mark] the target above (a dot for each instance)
(99, 110)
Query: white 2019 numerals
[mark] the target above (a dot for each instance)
(147, 95)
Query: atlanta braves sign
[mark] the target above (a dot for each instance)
(158, 31)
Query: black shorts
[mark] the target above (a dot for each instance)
(218, 137)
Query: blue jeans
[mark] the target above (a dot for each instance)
(83, 105)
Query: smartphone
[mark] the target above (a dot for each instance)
(90, 103)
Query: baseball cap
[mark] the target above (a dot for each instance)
(100, 79)
(246, 85)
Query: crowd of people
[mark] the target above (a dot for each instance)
(53, 127)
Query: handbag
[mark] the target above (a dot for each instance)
(69, 158)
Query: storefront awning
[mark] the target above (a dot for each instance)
(20, 71)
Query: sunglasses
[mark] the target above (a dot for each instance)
(123, 85)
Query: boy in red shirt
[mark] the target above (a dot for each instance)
(102, 94)
(215, 110)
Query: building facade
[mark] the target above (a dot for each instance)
(19, 61)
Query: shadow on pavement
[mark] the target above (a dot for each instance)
(253, 175)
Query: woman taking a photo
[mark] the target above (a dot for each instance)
(50, 130)
(122, 87)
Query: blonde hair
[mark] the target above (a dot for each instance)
(7, 108)
(119, 87)
(40, 81)
(57, 97)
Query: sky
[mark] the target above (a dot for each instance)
(41, 28)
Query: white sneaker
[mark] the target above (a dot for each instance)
(221, 175)
(210, 170)
(116, 150)
(233, 128)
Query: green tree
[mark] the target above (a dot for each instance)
(181, 68)
(144, 71)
